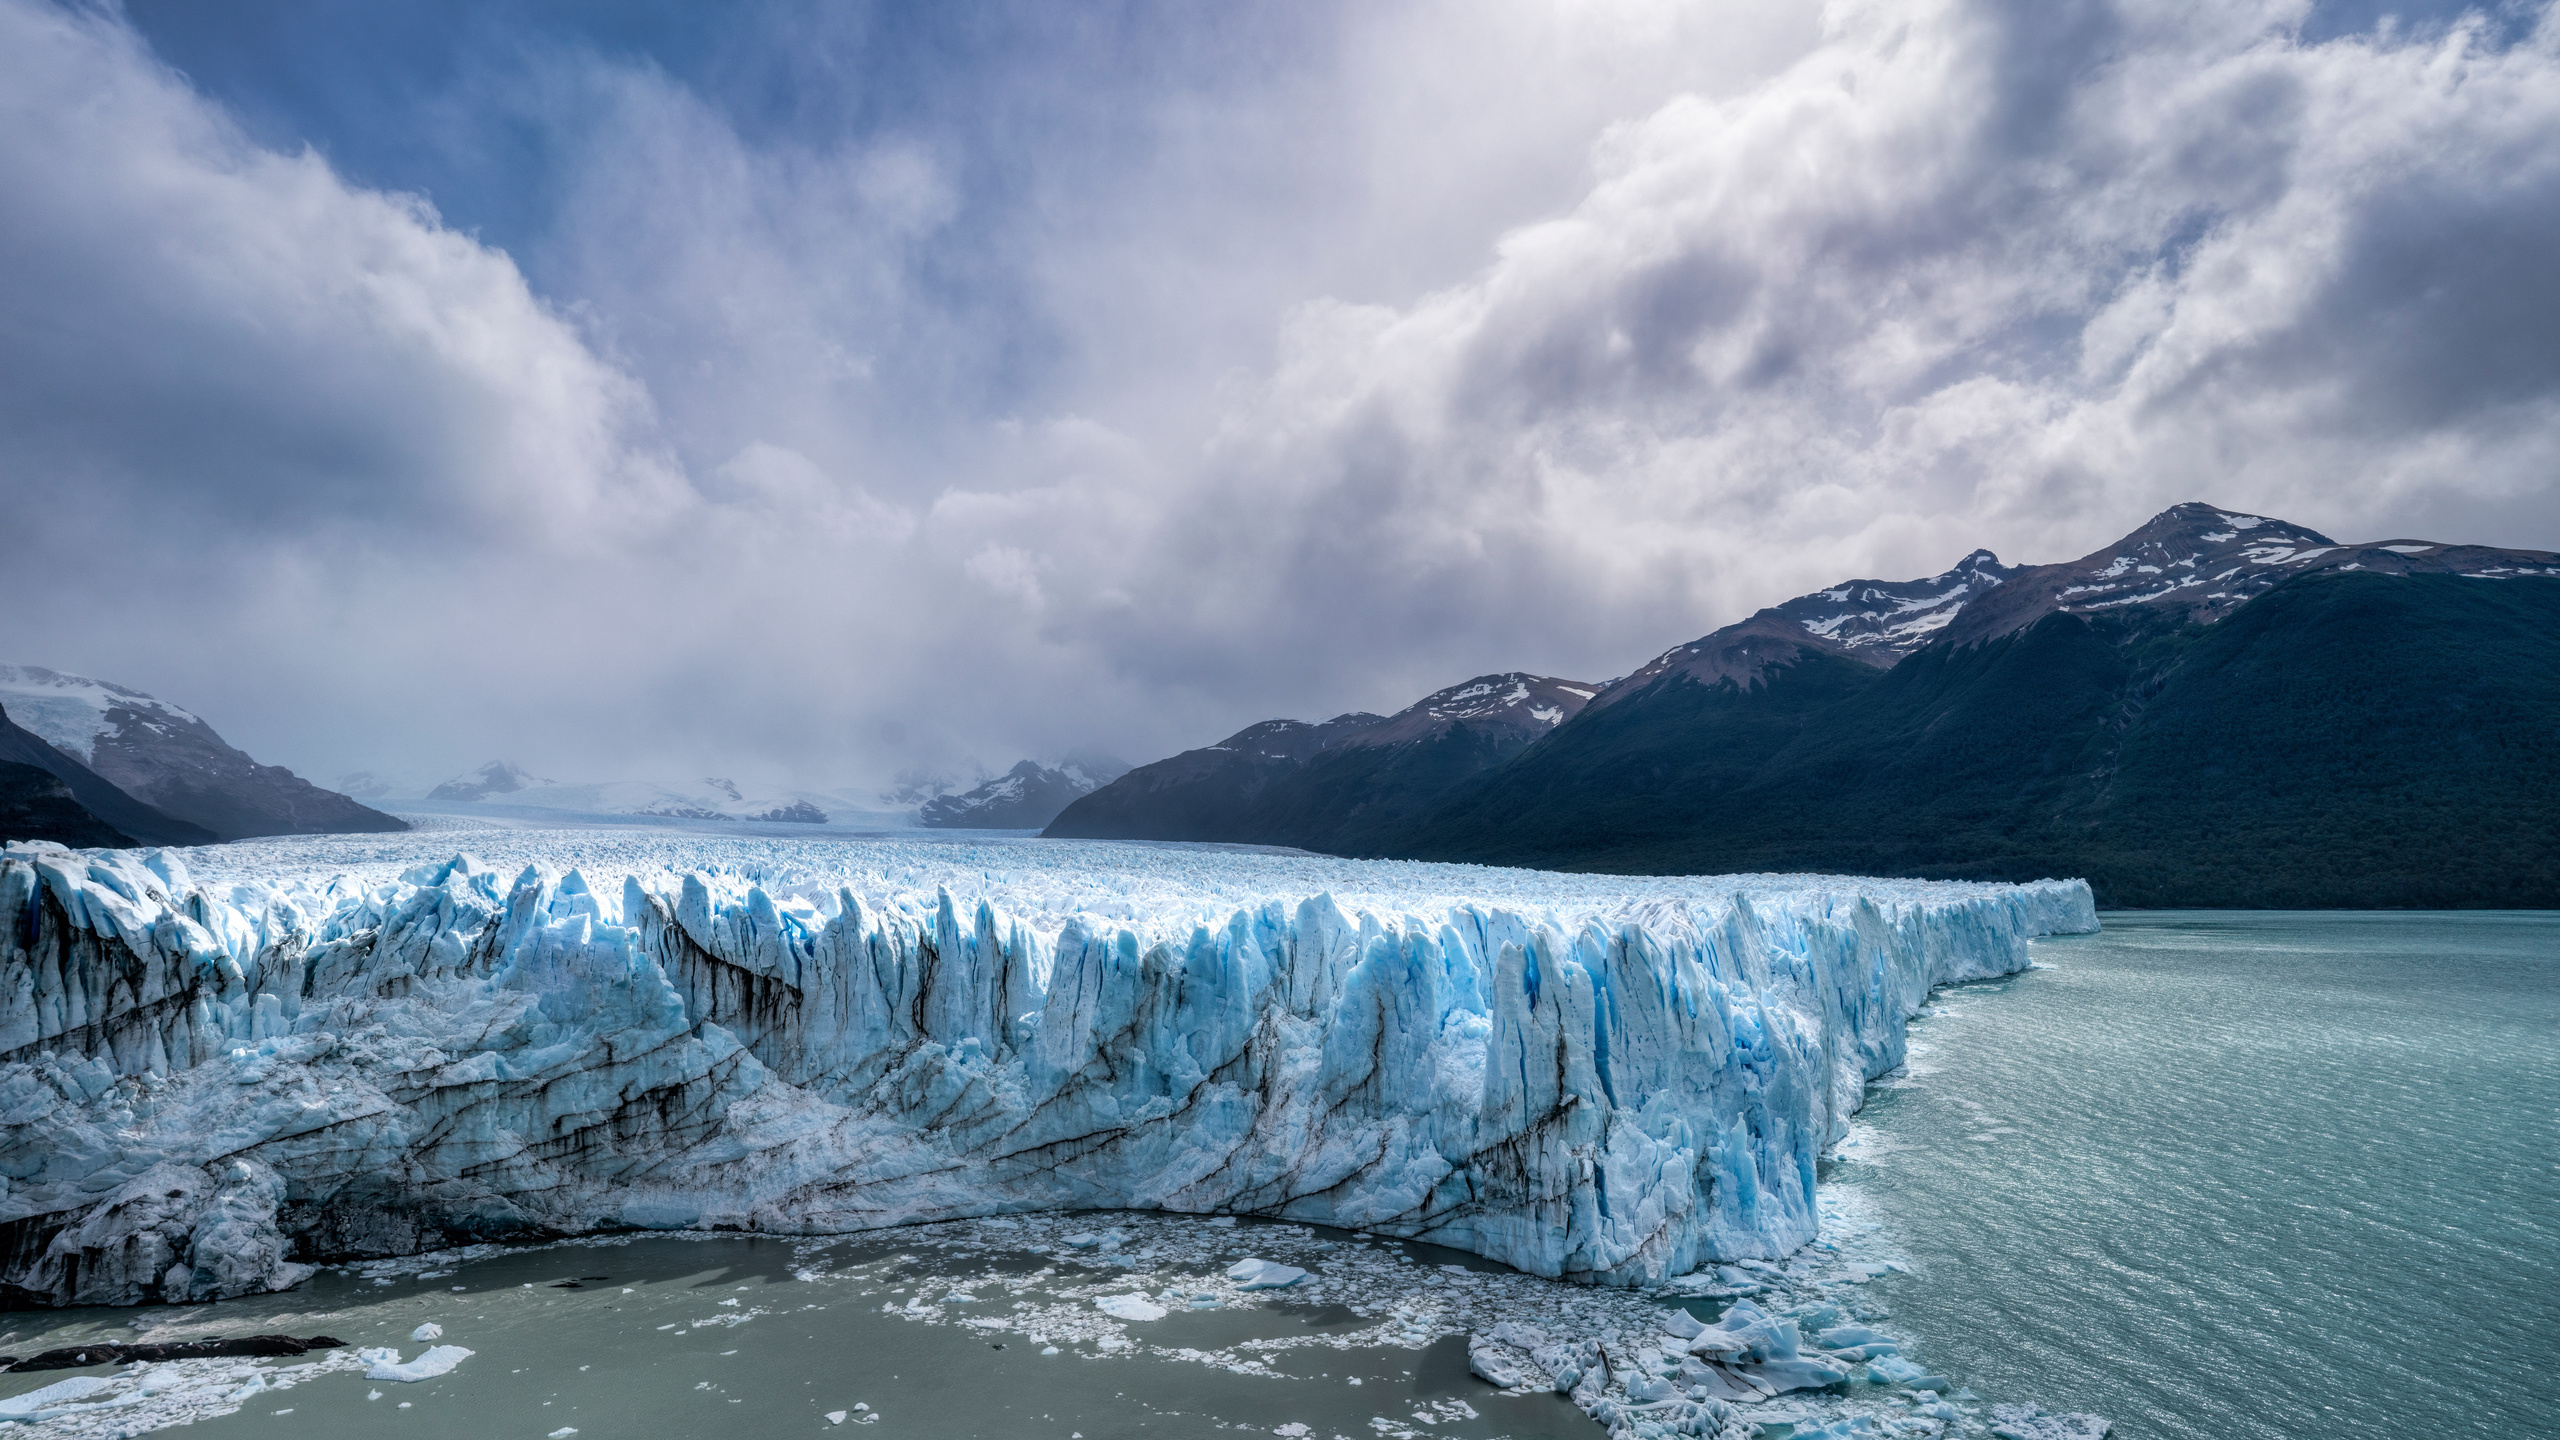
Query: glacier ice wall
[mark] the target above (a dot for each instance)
(205, 1084)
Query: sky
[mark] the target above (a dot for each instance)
(812, 390)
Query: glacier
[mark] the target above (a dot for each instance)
(220, 1066)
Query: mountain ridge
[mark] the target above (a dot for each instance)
(1288, 782)
(172, 760)
(1994, 708)
(38, 813)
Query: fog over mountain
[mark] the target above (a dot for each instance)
(827, 392)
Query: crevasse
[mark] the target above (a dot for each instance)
(205, 1086)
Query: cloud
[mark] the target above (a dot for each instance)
(2017, 274)
(1100, 402)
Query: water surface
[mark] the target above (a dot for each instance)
(2242, 1175)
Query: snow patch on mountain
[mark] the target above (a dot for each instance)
(70, 712)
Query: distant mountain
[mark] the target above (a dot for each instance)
(131, 821)
(2219, 709)
(1026, 797)
(174, 762)
(498, 777)
(503, 782)
(2200, 562)
(1203, 794)
(1340, 786)
(1880, 621)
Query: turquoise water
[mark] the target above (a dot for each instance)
(2242, 1174)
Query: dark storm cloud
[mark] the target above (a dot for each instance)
(839, 387)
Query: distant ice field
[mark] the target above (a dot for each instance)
(1157, 887)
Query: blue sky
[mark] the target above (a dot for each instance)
(821, 390)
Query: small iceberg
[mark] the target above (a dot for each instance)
(384, 1364)
(1264, 1274)
(41, 1404)
(1129, 1307)
(1894, 1370)
(1750, 1354)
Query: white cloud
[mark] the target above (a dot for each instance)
(1541, 335)
(1917, 292)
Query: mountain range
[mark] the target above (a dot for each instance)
(2218, 709)
(1025, 797)
(145, 771)
(1344, 786)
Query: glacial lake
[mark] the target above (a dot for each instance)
(2248, 1176)
(2227, 1175)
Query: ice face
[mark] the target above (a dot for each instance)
(1592, 1077)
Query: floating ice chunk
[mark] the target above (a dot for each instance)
(1842, 1337)
(1491, 1365)
(2026, 1422)
(1264, 1274)
(429, 1331)
(1129, 1307)
(384, 1364)
(1844, 1429)
(1681, 1323)
(40, 1404)
(1225, 1222)
(835, 1417)
(1894, 1370)
(560, 1434)
(1751, 1353)
(1295, 1430)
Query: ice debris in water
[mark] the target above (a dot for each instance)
(384, 1363)
(2026, 1422)
(1129, 1307)
(428, 1331)
(1607, 1079)
(1264, 1275)
(1894, 1370)
(45, 1403)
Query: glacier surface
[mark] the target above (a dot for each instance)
(220, 1065)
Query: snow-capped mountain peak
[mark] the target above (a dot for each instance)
(1025, 797)
(1514, 705)
(73, 712)
(2203, 562)
(1881, 621)
(170, 758)
(498, 777)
